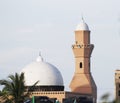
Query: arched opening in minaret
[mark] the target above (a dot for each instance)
(80, 64)
(119, 93)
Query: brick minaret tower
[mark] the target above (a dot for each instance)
(82, 81)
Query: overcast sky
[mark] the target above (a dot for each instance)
(30, 26)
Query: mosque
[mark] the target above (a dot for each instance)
(51, 85)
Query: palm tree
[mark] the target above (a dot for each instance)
(14, 90)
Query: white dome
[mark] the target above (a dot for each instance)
(43, 72)
(82, 26)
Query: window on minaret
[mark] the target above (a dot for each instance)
(89, 64)
(80, 64)
(119, 93)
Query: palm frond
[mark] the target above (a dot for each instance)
(14, 90)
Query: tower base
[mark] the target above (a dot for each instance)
(84, 84)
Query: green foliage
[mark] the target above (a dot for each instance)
(14, 89)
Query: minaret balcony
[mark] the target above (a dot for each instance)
(82, 46)
(82, 50)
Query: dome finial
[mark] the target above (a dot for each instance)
(39, 53)
(39, 58)
(82, 19)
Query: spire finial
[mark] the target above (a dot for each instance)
(39, 53)
(82, 17)
(39, 59)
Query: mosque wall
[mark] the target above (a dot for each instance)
(59, 95)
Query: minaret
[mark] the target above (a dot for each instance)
(82, 81)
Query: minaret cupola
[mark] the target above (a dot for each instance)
(82, 26)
